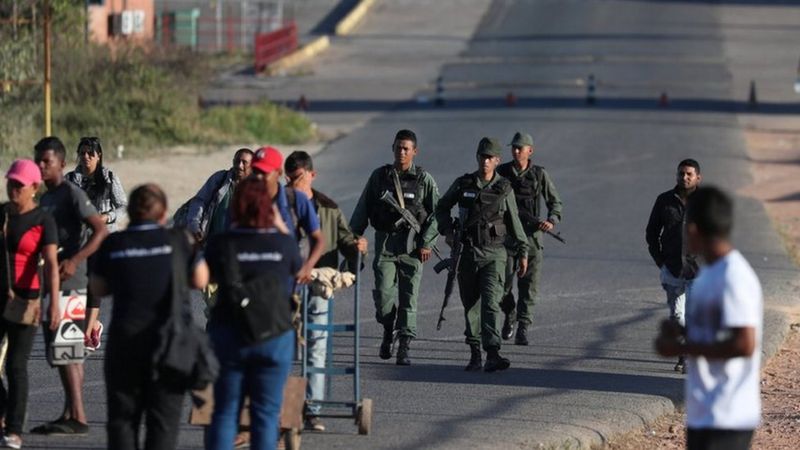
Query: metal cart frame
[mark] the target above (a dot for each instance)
(360, 408)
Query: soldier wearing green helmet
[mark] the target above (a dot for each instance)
(488, 220)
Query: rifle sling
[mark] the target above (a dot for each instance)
(397, 189)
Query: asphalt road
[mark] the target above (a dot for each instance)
(590, 371)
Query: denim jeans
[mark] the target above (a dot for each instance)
(317, 346)
(675, 289)
(258, 371)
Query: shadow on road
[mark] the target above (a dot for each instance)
(561, 379)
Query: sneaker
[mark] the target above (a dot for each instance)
(314, 424)
(62, 427)
(11, 441)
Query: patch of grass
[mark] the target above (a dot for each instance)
(265, 122)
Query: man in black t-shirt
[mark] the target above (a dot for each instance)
(72, 212)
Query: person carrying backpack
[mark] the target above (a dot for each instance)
(255, 266)
(135, 266)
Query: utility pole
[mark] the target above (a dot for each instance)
(219, 25)
(48, 130)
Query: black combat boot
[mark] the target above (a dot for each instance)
(522, 334)
(508, 328)
(495, 362)
(402, 351)
(388, 340)
(475, 361)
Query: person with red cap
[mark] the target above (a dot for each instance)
(296, 213)
(295, 209)
(29, 233)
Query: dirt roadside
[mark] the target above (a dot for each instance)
(774, 152)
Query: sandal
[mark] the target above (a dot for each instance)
(62, 427)
(45, 427)
(242, 440)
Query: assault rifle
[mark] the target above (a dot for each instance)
(451, 264)
(556, 236)
(406, 218)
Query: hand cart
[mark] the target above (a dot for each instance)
(359, 408)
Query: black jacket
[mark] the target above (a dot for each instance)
(664, 235)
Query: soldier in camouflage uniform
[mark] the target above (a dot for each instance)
(531, 183)
(488, 218)
(399, 251)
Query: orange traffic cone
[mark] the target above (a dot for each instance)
(511, 99)
(663, 101)
(302, 103)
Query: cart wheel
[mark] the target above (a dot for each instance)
(364, 419)
(291, 439)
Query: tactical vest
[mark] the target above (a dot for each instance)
(383, 217)
(481, 211)
(527, 190)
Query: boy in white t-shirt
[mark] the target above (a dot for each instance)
(723, 332)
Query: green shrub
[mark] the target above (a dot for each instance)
(142, 98)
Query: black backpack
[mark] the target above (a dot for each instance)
(184, 357)
(260, 304)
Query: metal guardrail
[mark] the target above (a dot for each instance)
(269, 47)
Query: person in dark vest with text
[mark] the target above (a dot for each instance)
(135, 267)
(399, 250)
(530, 183)
(488, 219)
(255, 266)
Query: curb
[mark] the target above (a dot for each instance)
(298, 56)
(349, 22)
(308, 51)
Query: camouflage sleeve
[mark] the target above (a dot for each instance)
(514, 226)
(430, 199)
(551, 199)
(443, 206)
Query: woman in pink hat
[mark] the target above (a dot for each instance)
(29, 233)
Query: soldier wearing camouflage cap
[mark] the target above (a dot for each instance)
(488, 219)
(530, 183)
